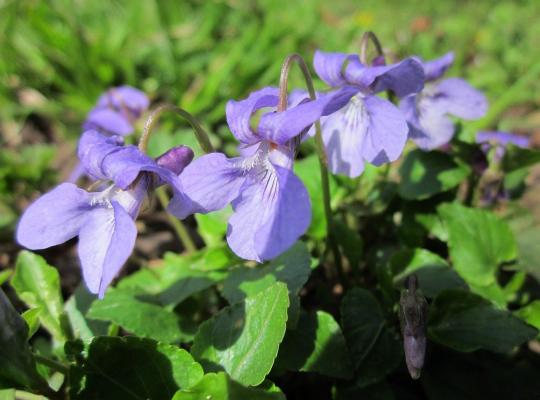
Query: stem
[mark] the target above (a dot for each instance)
(200, 133)
(367, 37)
(364, 43)
(179, 228)
(113, 329)
(52, 364)
(323, 161)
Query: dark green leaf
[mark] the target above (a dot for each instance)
(38, 285)
(243, 339)
(17, 365)
(478, 242)
(351, 243)
(316, 345)
(466, 322)
(308, 170)
(220, 386)
(133, 368)
(351, 391)
(291, 268)
(424, 174)
(374, 347)
(181, 276)
(433, 272)
(516, 158)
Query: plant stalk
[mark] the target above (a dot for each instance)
(179, 228)
(200, 133)
(323, 161)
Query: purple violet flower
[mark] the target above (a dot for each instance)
(116, 111)
(104, 220)
(502, 139)
(368, 128)
(428, 112)
(271, 205)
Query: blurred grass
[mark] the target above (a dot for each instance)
(56, 57)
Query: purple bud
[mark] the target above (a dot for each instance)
(415, 351)
(176, 159)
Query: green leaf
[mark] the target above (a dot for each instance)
(213, 226)
(350, 242)
(76, 308)
(466, 322)
(530, 313)
(7, 394)
(377, 391)
(433, 272)
(181, 276)
(516, 158)
(478, 242)
(529, 252)
(38, 285)
(220, 386)
(136, 316)
(308, 170)
(291, 268)
(243, 339)
(133, 368)
(31, 317)
(424, 174)
(374, 347)
(18, 365)
(5, 275)
(316, 345)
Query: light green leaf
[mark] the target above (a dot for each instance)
(316, 345)
(530, 313)
(243, 339)
(18, 368)
(478, 242)
(76, 308)
(4, 275)
(133, 368)
(213, 226)
(31, 317)
(374, 347)
(136, 316)
(466, 322)
(424, 174)
(220, 386)
(38, 285)
(433, 272)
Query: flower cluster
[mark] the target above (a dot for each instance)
(271, 206)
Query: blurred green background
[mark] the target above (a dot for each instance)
(56, 57)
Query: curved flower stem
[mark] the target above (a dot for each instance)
(178, 227)
(323, 161)
(367, 37)
(200, 133)
(204, 142)
(364, 43)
